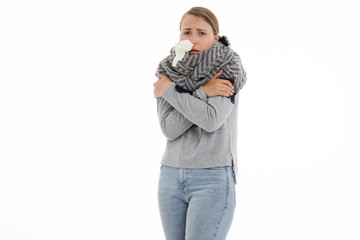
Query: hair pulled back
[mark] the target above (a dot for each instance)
(204, 14)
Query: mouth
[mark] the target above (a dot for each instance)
(193, 52)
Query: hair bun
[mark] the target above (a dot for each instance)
(224, 40)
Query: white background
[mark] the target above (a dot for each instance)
(80, 143)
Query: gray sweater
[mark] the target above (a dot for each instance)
(201, 132)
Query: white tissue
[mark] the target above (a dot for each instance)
(180, 49)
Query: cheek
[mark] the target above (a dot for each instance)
(208, 44)
(183, 37)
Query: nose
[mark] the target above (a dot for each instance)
(193, 39)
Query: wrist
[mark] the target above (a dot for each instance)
(167, 85)
(206, 90)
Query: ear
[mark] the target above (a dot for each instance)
(217, 37)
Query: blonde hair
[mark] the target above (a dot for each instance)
(206, 15)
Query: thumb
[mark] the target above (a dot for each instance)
(218, 74)
(159, 75)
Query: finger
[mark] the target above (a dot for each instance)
(218, 74)
(228, 91)
(156, 93)
(224, 93)
(159, 75)
(227, 82)
(225, 85)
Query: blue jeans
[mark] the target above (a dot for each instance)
(196, 204)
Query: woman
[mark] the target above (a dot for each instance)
(197, 108)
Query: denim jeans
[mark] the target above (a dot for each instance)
(196, 204)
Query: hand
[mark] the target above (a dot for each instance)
(218, 87)
(161, 85)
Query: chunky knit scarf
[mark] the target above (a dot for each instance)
(194, 71)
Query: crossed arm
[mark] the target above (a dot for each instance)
(207, 107)
(173, 124)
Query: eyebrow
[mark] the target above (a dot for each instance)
(200, 29)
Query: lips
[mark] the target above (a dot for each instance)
(194, 51)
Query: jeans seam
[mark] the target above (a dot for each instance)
(226, 204)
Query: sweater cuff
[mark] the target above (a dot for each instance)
(200, 93)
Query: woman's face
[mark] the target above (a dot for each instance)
(198, 32)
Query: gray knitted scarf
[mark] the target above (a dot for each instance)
(194, 71)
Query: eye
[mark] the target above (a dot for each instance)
(202, 33)
(187, 33)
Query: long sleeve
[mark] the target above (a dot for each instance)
(172, 122)
(201, 131)
(209, 115)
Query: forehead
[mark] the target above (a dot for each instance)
(191, 21)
